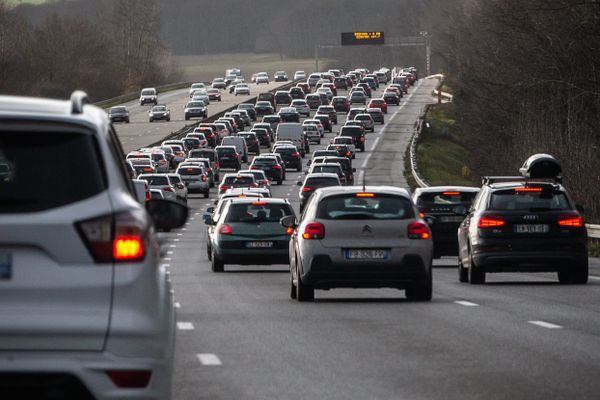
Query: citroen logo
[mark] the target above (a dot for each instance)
(367, 229)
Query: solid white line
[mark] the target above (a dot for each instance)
(466, 303)
(185, 326)
(168, 259)
(209, 359)
(545, 324)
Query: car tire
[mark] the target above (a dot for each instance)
(574, 275)
(420, 291)
(353, 156)
(187, 118)
(206, 194)
(151, 120)
(216, 265)
(279, 181)
(463, 273)
(292, 288)
(208, 252)
(127, 121)
(476, 274)
(299, 169)
(304, 293)
(168, 119)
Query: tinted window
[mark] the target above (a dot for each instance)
(349, 206)
(26, 182)
(187, 171)
(264, 161)
(351, 131)
(449, 198)
(327, 168)
(156, 180)
(257, 212)
(225, 151)
(321, 182)
(242, 180)
(545, 200)
(175, 178)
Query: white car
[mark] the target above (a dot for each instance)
(160, 182)
(301, 107)
(262, 77)
(201, 95)
(84, 303)
(241, 88)
(196, 86)
(299, 75)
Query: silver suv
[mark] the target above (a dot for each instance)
(360, 238)
(86, 311)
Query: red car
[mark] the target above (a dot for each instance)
(393, 89)
(366, 87)
(304, 86)
(378, 103)
(214, 94)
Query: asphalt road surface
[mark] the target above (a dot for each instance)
(520, 336)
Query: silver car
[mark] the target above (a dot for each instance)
(195, 178)
(367, 121)
(86, 310)
(301, 107)
(160, 182)
(350, 237)
(180, 189)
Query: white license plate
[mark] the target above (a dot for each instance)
(364, 254)
(259, 245)
(452, 219)
(532, 228)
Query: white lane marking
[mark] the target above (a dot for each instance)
(180, 234)
(466, 303)
(185, 326)
(191, 219)
(168, 259)
(165, 265)
(545, 324)
(169, 252)
(176, 240)
(595, 277)
(172, 245)
(209, 359)
(177, 305)
(184, 229)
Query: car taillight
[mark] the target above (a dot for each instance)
(235, 155)
(148, 197)
(570, 220)
(418, 230)
(314, 230)
(167, 189)
(254, 167)
(131, 379)
(490, 221)
(264, 182)
(289, 231)
(225, 229)
(276, 166)
(223, 188)
(306, 189)
(350, 178)
(348, 154)
(253, 185)
(203, 178)
(115, 238)
(180, 186)
(295, 154)
(361, 139)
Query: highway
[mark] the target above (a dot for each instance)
(520, 336)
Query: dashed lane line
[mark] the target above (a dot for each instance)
(466, 303)
(209, 359)
(544, 324)
(185, 326)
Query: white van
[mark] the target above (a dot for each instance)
(293, 132)
(240, 146)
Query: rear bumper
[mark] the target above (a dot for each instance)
(238, 253)
(83, 372)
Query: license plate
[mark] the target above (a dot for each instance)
(364, 254)
(532, 228)
(259, 245)
(451, 219)
(5, 266)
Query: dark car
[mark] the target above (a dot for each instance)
(313, 101)
(324, 98)
(313, 182)
(291, 157)
(272, 120)
(329, 110)
(297, 93)
(357, 133)
(524, 224)
(341, 150)
(267, 96)
(191, 143)
(270, 167)
(346, 164)
(267, 126)
(340, 104)
(340, 83)
(322, 153)
(263, 136)
(249, 108)
(119, 114)
(228, 157)
(282, 98)
(251, 141)
(377, 115)
(289, 114)
(264, 108)
(160, 112)
(280, 76)
(325, 121)
(444, 208)
(249, 232)
(391, 98)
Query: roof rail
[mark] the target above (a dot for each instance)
(488, 180)
(78, 100)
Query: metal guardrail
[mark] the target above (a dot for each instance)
(592, 230)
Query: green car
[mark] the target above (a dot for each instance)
(248, 231)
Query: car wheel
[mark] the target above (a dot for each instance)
(353, 156)
(127, 121)
(168, 119)
(279, 181)
(421, 291)
(574, 275)
(187, 118)
(208, 252)
(463, 273)
(206, 194)
(151, 120)
(476, 274)
(299, 168)
(304, 293)
(216, 264)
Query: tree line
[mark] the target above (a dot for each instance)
(527, 76)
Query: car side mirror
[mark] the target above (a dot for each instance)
(167, 214)
(580, 208)
(298, 183)
(208, 220)
(289, 221)
(210, 210)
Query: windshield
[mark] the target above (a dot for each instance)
(257, 212)
(239, 181)
(544, 200)
(377, 207)
(156, 180)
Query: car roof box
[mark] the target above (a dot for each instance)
(541, 166)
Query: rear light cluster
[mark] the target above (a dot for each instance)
(131, 379)
(225, 229)
(418, 230)
(115, 238)
(314, 230)
(307, 189)
(571, 220)
(223, 188)
(490, 221)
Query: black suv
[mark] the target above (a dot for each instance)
(357, 133)
(524, 224)
(282, 98)
(228, 157)
(270, 167)
(444, 208)
(346, 164)
(297, 93)
(251, 141)
(291, 157)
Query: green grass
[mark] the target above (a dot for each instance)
(441, 158)
(594, 248)
(209, 66)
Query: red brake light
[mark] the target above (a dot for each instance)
(571, 220)
(314, 230)
(225, 230)
(418, 230)
(365, 194)
(451, 193)
(127, 248)
(490, 221)
(133, 379)
(223, 187)
(203, 178)
(259, 203)
(528, 189)
(307, 189)
(289, 231)
(167, 189)
(295, 154)
(276, 166)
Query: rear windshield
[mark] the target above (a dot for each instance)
(333, 169)
(187, 171)
(242, 180)
(271, 119)
(285, 150)
(175, 178)
(321, 182)
(350, 206)
(351, 131)
(344, 162)
(225, 151)
(27, 184)
(445, 201)
(264, 161)
(156, 180)
(257, 211)
(544, 200)
(140, 161)
(323, 153)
